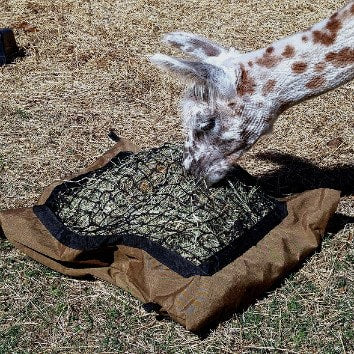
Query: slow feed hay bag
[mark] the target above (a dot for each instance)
(194, 252)
(145, 200)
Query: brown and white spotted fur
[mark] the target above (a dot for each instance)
(234, 98)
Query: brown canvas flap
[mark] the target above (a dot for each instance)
(196, 301)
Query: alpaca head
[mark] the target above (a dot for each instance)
(220, 124)
(220, 119)
(219, 130)
(233, 98)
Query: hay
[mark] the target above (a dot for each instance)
(148, 194)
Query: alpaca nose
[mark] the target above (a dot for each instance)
(197, 168)
(201, 167)
(191, 166)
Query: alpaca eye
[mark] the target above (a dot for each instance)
(210, 125)
(205, 128)
(232, 104)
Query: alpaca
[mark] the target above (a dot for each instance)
(234, 98)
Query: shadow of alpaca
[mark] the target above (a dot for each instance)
(296, 175)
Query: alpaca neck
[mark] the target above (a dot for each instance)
(303, 65)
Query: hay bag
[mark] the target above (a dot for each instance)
(192, 252)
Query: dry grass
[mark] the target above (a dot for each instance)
(86, 71)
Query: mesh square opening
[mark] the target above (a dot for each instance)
(147, 200)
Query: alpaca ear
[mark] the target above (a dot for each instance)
(223, 81)
(194, 45)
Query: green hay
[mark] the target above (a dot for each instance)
(149, 194)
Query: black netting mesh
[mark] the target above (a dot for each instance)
(148, 194)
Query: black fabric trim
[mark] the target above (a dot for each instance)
(167, 257)
(113, 135)
(2, 233)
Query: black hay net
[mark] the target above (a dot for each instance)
(146, 200)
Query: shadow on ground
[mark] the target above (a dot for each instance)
(296, 175)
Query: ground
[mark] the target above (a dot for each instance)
(86, 72)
